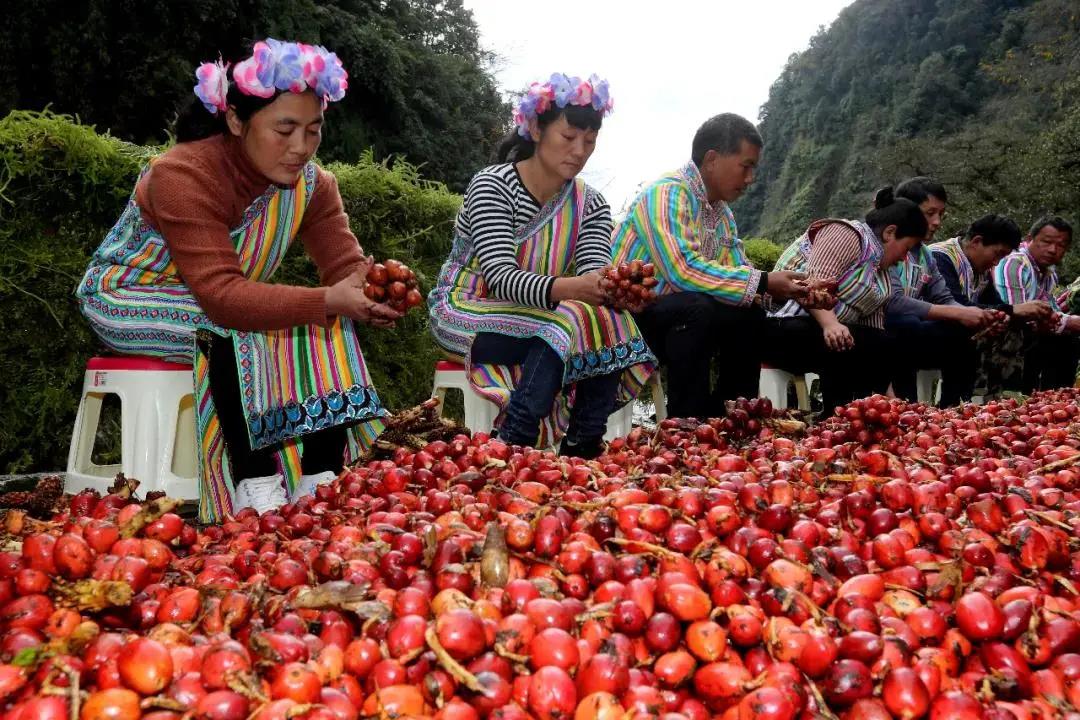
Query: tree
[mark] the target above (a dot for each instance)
(420, 85)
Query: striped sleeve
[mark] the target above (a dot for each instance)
(665, 222)
(835, 249)
(1014, 281)
(593, 249)
(489, 207)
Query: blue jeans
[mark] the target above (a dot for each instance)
(541, 380)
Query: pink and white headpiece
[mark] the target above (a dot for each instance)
(561, 91)
(275, 66)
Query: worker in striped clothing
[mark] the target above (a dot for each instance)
(710, 305)
(1050, 350)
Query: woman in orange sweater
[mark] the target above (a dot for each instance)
(281, 386)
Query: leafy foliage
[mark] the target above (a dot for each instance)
(762, 252)
(981, 95)
(420, 87)
(62, 186)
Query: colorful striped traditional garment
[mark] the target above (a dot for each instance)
(1018, 279)
(863, 288)
(971, 285)
(292, 381)
(590, 340)
(693, 243)
(914, 272)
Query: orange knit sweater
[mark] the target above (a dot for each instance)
(197, 191)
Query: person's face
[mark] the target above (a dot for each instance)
(564, 149)
(726, 177)
(983, 257)
(282, 137)
(1048, 246)
(933, 210)
(895, 248)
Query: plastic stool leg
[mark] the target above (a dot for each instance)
(802, 392)
(659, 401)
(773, 385)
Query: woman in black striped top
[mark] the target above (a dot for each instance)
(520, 296)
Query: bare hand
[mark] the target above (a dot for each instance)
(785, 284)
(346, 297)
(585, 288)
(1034, 310)
(974, 318)
(838, 337)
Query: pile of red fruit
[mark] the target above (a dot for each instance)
(629, 286)
(690, 573)
(395, 284)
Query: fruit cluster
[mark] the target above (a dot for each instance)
(395, 284)
(629, 286)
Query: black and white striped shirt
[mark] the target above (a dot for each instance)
(496, 205)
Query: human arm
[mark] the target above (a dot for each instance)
(837, 335)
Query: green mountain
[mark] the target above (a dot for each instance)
(983, 95)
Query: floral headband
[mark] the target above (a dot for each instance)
(275, 66)
(562, 91)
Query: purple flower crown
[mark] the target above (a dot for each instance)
(275, 66)
(561, 91)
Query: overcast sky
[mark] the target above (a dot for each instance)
(671, 64)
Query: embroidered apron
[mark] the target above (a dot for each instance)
(292, 381)
(590, 340)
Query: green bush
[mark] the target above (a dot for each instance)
(762, 253)
(62, 186)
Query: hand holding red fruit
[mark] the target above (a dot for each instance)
(629, 286)
(348, 297)
(820, 293)
(394, 284)
(585, 288)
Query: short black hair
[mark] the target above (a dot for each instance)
(995, 230)
(723, 133)
(901, 212)
(1058, 223)
(920, 189)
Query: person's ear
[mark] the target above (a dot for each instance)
(534, 131)
(888, 235)
(233, 121)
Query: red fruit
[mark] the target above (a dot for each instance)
(552, 695)
(721, 681)
(111, 704)
(295, 681)
(848, 681)
(220, 661)
(222, 705)
(904, 694)
(766, 703)
(553, 646)
(979, 617)
(72, 556)
(145, 666)
(461, 633)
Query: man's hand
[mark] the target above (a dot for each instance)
(838, 337)
(974, 318)
(785, 284)
(1036, 310)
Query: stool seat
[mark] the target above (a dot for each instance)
(480, 413)
(135, 362)
(157, 426)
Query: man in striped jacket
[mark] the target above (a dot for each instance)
(710, 295)
(1029, 274)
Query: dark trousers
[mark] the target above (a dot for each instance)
(541, 380)
(692, 332)
(797, 345)
(323, 450)
(1050, 363)
(928, 345)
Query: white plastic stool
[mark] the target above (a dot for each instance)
(621, 421)
(157, 427)
(774, 385)
(480, 413)
(925, 389)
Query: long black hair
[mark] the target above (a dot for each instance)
(514, 148)
(195, 122)
(901, 212)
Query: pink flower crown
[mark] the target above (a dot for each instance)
(274, 66)
(562, 91)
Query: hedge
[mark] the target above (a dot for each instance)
(762, 253)
(62, 186)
